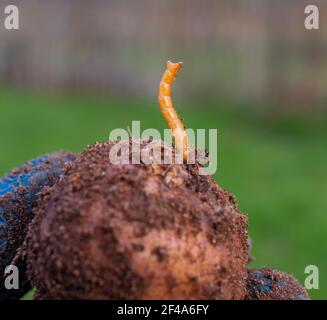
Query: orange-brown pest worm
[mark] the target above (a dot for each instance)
(168, 111)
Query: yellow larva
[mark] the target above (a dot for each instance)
(168, 111)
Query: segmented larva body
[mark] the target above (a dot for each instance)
(168, 111)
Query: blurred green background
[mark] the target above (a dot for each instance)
(251, 70)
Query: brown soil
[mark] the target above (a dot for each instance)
(136, 232)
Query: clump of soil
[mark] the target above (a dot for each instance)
(19, 192)
(136, 231)
(269, 284)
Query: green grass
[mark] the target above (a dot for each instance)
(274, 164)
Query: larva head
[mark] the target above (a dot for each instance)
(174, 67)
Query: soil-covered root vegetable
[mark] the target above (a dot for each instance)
(270, 284)
(19, 191)
(126, 231)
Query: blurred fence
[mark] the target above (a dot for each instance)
(249, 51)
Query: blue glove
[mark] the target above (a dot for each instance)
(19, 192)
(270, 284)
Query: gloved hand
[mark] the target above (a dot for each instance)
(19, 192)
(270, 284)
